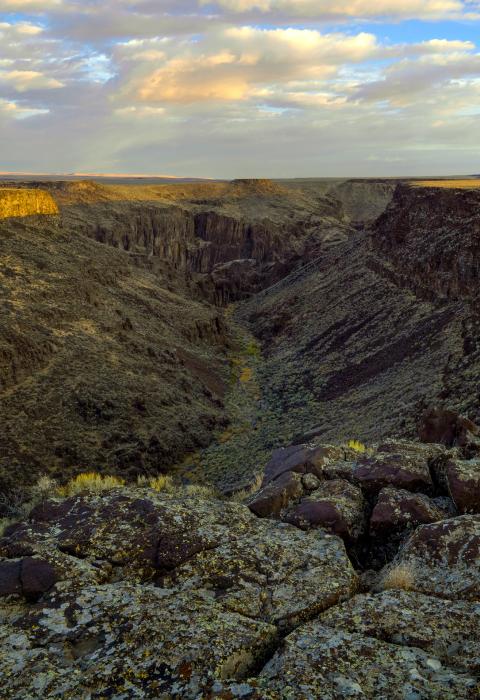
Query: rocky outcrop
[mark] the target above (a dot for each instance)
(19, 203)
(363, 201)
(144, 595)
(443, 559)
(431, 239)
(177, 595)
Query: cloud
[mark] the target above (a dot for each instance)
(238, 63)
(12, 110)
(23, 80)
(322, 9)
(232, 87)
(29, 5)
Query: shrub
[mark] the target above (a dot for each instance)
(203, 490)
(401, 576)
(158, 483)
(90, 482)
(244, 494)
(357, 446)
(44, 488)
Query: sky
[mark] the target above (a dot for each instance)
(240, 88)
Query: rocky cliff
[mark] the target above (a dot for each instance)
(26, 202)
(429, 238)
(383, 326)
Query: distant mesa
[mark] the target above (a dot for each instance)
(26, 202)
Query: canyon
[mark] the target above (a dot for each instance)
(281, 380)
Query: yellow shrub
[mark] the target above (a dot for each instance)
(246, 375)
(159, 483)
(357, 446)
(90, 482)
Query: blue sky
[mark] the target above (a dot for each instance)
(267, 88)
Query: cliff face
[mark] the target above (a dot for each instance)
(430, 241)
(24, 202)
(259, 226)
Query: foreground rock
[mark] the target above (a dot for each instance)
(446, 629)
(394, 645)
(442, 559)
(463, 480)
(260, 568)
(127, 641)
(318, 661)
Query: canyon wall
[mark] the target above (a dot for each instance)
(25, 202)
(429, 239)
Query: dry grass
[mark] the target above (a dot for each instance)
(90, 482)
(401, 577)
(244, 494)
(160, 483)
(202, 490)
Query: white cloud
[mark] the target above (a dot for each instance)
(23, 80)
(238, 63)
(321, 9)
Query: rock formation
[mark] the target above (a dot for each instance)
(23, 202)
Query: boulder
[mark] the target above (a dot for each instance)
(463, 481)
(400, 470)
(441, 559)
(337, 506)
(398, 510)
(273, 498)
(440, 425)
(125, 640)
(395, 515)
(259, 568)
(302, 459)
(448, 630)
(320, 661)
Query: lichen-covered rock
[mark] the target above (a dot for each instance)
(463, 480)
(443, 558)
(337, 506)
(398, 510)
(402, 470)
(396, 514)
(277, 494)
(447, 629)
(260, 568)
(127, 641)
(318, 661)
(273, 571)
